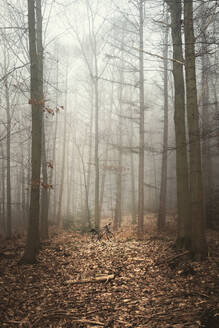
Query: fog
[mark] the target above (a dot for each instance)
(91, 60)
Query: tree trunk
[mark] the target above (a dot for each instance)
(61, 189)
(182, 179)
(206, 126)
(109, 119)
(33, 239)
(199, 247)
(118, 208)
(44, 192)
(134, 214)
(163, 189)
(70, 174)
(8, 152)
(23, 196)
(3, 191)
(103, 179)
(90, 140)
(87, 216)
(141, 127)
(97, 178)
(53, 173)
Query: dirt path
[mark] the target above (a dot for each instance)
(145, 288)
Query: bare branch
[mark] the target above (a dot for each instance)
(12, 71)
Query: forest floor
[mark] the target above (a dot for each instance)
(117, 283)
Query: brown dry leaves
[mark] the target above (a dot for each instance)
(144, 290)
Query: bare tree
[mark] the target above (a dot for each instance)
(44, 192)
(9, 226)
(141, 127)
(183, 198)
(33, 238)
(3, 216)
(206, 118)
(199, 246)
(163, 188)
(63, 167)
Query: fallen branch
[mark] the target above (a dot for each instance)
(90, 322)
(170, 259)
(60, 315)
(96, 279)
(7, 255)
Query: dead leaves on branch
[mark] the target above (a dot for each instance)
(41, 183)
(45, 108)
(50, 164)
(38, 183)
(114, 284)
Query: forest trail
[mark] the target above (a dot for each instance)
(148, 285)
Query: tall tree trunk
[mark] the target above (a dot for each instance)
(61, 189)
(8, 152)
(87, 216)
(3, 191)
(141, 127)
(53, 173)
(199, 246)
(23, 196)
(118, 208)
(28, 179)
(96, 154)
(154, 200)
(206, 127)
(53, 176)
(33, 238)
(90, 138)
(109, 118)
(182, 179)
(133, 196)
(103, 179)
(70, 173)
(44, 192)
(163, 188)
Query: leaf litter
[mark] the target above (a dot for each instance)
(118, 283)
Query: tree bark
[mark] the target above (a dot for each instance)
(163, 189)
(33, 239)
(70, 174)
(90, 151)
(103, 179)
(118, 207)
(206, 126)
(96, 152)
(61, 189)
(199, 246)
(182, 179)
(53, 173)
(109, 118)
(141, 127)
(3, 192)
(133, 196)
(44, 193)
(8, 152)
(23, 196)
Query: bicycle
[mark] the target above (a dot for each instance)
(104, 232)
